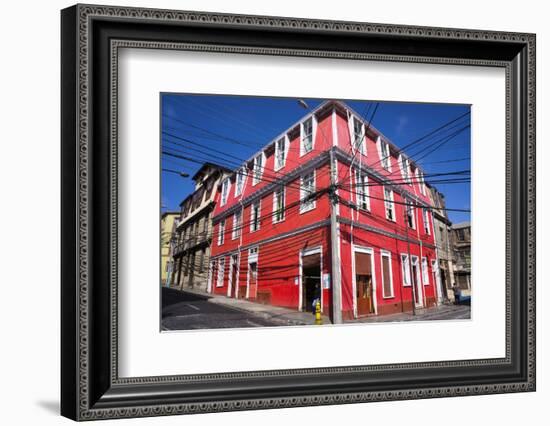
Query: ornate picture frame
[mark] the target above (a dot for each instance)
(91, 38)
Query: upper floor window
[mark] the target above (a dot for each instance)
(307, 192)
(388, 203)
(208, 189)
(279, 205)
(237, 222)
(280, 153)
(420, 181)
(410, 217)
(362, 190)
(306, 136)
(185, 209)
(405, 168)
(239, 181)
(226, 184)
(385, 158)
(255, 216)
(357, 135)
(426, 218)
(258, 168)
(460, 235)
(221, 232)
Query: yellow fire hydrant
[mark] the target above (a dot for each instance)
(318, 319)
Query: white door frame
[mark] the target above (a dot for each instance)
(419, 284)
(308, 252)
(368, 250)
(252, 259)
(437, 281)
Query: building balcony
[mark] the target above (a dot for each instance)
(194, 241)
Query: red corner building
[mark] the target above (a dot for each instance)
(272, 222)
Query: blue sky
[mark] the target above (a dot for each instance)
(239, 126)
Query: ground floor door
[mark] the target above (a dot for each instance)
(311, 281)
(234, 276)
(418, 300)
(443, 275)
(364, 293)
(252, 280)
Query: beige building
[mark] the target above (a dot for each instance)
(462, 241)
(168, 223)
(444, 245)
(191, 251)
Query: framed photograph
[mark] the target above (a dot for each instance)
(265, 212)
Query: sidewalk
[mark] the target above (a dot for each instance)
(290, 317)
(283, 316)
(442, 312)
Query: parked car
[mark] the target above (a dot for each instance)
(460, 298)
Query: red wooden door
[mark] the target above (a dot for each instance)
(252, 280)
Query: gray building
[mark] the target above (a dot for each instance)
(462, 241)
(444, 245)
(193, 236)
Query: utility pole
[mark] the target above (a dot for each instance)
(413, 286)
(336, 276)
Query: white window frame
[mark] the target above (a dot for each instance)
(274, 215)
(225, 190)
(306, 208)
(237, 224)
(362, 141)
(426, 220)
(380, 144)
(425, 272)
(313, 131)
(411, 208)
(389, 203)
(259, 204)
(221, 232)
(362, 189)
(240, 176)
(420, 181)
(255, 178)
(221, 272)
(278, 165)
(385, 253)
(405, 270)
(405, 166)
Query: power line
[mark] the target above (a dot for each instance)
(201, 161)
(426, 137)
(440, 142)
(408, 203)
(286, 208)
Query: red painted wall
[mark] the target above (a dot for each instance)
(278, 261)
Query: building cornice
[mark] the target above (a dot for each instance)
(321, 159)
(316, 225)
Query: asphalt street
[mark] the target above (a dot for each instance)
(187, 311)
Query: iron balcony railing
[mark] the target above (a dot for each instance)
(190, 242)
